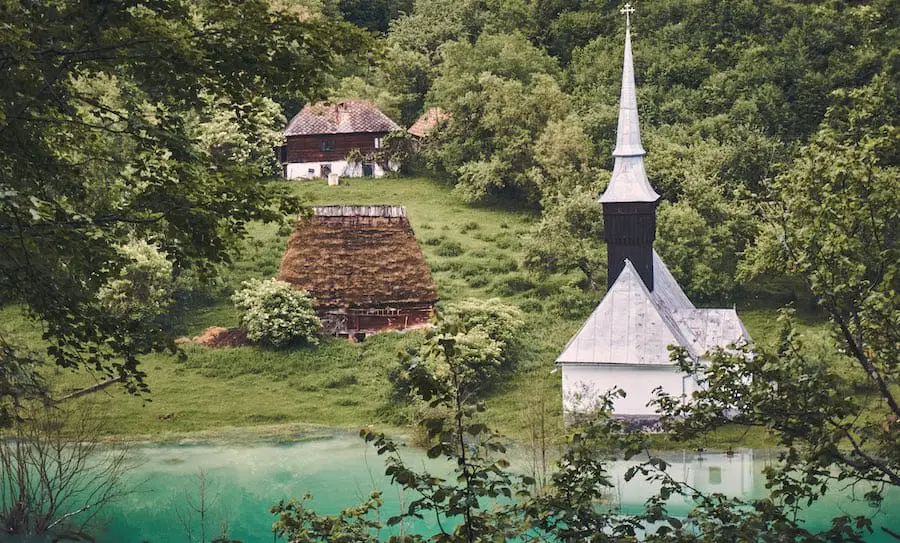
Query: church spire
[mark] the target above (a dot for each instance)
(629, 202)
(629, 179)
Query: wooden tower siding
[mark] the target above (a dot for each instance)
(364, 268)
(629, 229)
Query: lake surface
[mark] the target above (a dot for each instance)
(243, 482)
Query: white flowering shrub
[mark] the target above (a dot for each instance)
(276, 314)
(143, 290)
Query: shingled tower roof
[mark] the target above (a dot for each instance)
(629, 181)
(358, 256)
(344, 117)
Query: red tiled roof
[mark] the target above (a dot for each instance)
(344, 117)
(428, 121)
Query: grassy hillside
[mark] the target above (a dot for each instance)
(472, 252)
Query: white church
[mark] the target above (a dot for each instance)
(625, 342)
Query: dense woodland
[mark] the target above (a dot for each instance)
(135, 158)
(731, 95)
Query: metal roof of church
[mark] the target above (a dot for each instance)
(632, 325)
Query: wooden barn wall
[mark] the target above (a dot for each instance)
(309, 148)
(375, 319)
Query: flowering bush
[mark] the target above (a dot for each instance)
(276, 314)
(143, 289)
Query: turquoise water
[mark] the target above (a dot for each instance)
(243, 482)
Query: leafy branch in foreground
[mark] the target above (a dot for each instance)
(148, 121)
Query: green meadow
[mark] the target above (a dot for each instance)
(472, 252)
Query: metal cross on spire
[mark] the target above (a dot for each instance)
(627, 11)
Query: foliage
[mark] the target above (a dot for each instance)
(373, 15)
(483, 499)
(139, 121)
(299, 524)
(486, 338)
(833, 222)
(498, 92)
(144, 289)
(569, 237)
(276, 314)
(702, 236)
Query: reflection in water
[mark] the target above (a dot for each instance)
(735, 475)
(341, 471)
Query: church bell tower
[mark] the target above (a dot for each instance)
(629, 202)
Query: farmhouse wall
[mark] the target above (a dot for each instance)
(310, 148)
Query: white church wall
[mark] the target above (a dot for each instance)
(582, 384)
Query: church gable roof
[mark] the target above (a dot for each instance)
(712, 328)
(626, 328)
(667, 292)
(634, 326)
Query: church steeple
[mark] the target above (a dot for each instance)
(629, 202)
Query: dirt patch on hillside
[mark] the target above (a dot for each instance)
(218, 336)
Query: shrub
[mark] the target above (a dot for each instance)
(477, 280)
(485, 335)
(532, 306)
(572, 303)
(283, 231)
(500, 263)
(144, 288)
(276, 314)
(501, 322)
(468, 227)
(513, 284)
(450, 248)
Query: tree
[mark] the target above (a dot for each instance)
(834, 223)
(486, 338)
(373, 15)
(569, 237)
(57, 473)
(144, 289)
(111, 121)
(499, 92)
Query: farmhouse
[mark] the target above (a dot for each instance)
(363, 267)
(624, 343)
(322, 137)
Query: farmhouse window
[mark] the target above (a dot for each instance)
(378, 143)
(328, 145)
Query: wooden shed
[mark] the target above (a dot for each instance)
(364, 268)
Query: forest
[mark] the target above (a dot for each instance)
(140, 131)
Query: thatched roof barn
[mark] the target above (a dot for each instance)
(363, 267)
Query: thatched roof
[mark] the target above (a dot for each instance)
(358, 256)
(345, 117)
